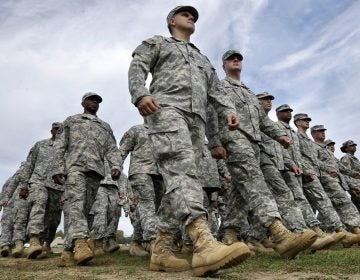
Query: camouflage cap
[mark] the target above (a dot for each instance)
(56, 125)
(89, 94)
(179, 9)
(301, 116)
(329, 141)
(317, 127)
(346, 144)
(284, 107)
(229, 53)
(265, 94)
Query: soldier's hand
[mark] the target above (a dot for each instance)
(357, 176)
(333, 174)
(121, 195)
(228, 178)
(59, 179)
(297, 171)
(233, 121)
(126, 213)
(4, 203)
(219, 152)
(285, 141)
(310, 177)
(115, 174)
(147, 105)
(24, 193)
(356, 190)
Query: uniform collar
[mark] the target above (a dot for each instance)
(174, 40)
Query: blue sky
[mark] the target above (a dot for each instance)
(306, 53)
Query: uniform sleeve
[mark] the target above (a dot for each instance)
(29, 165)
(127, 144)
(269, 127)
(60, 147)
(144, 59)
(112, 153)
(212, 127)
(222, 168)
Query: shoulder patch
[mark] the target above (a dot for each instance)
(154, 40)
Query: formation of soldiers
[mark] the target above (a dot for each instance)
(271, 187)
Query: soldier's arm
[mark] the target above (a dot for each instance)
(269, 127)
(113, 156)
(212, 127)
(29, 165)
(127, 144)
(60, 147)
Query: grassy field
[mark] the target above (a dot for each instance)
(326, 265)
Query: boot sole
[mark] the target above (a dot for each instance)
(84, 260)
(114, 249)
(157, 267)
(34, 254)
(17, 254)
(239, 255)
(303, 245)
(5, 254)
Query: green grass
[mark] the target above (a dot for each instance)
(328, 265)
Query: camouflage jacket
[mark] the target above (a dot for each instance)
(272, 153)
(12, 183)
(38, 167)
(352, 163)
(208, 171)
(107, 180)
(137, 142)
(83, 145)
(310, 161)
(182, 77)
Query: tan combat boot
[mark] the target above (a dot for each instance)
(349, 239)
(46, 251)
(111, 245)
(96, 246)
(83, 253)
(257, 246)
(136, 249)
(67, 258)
(18, 251)
(35, 248)
(287, 243)
(187, 249)
(323, 240)
(268, 243)
(209, 254)
(5, 251)
(230, 236)
(163, 258)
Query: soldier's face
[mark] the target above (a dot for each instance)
(351, 149)
(233, 63)
(183, 21)
(266, 103)
(91, 104)
(284, 116)
(331, 148)
(318, 135)
(303, 123)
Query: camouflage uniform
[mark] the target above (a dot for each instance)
(106, 209)
(313, 190)
(295, 183)
(352, 162)
(21, 211)
(243, 161)
(274, 159)
(146, 183)
(44, 197)
(183, 81)
(86, 140)
(342, 203)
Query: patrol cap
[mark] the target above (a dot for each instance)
(229, 53)
(265, 94)
(89, 94)
(301, 116)
(347, 144)
(179, 9)
(284, 107)
(329, 141)
(56, 125)
(318, 127)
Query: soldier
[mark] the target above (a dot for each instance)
(312, 187)
(274, 160)
(80, 151)
(352, 162)
(294, 181)
(243, 162)
(145, 180)
(44, 197)
(183, 82)
(106, 212)
(330, 179)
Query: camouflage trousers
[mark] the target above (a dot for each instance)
(106, 212)
(319, 201)
(355, 198)
(343, 205)
(138, 231)
(21, 216)
(289, 211)
(248, 183)
(7, 225)
(45, 211)
(148, 190)
(80, 193)
(178, 141)
(295, 184)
